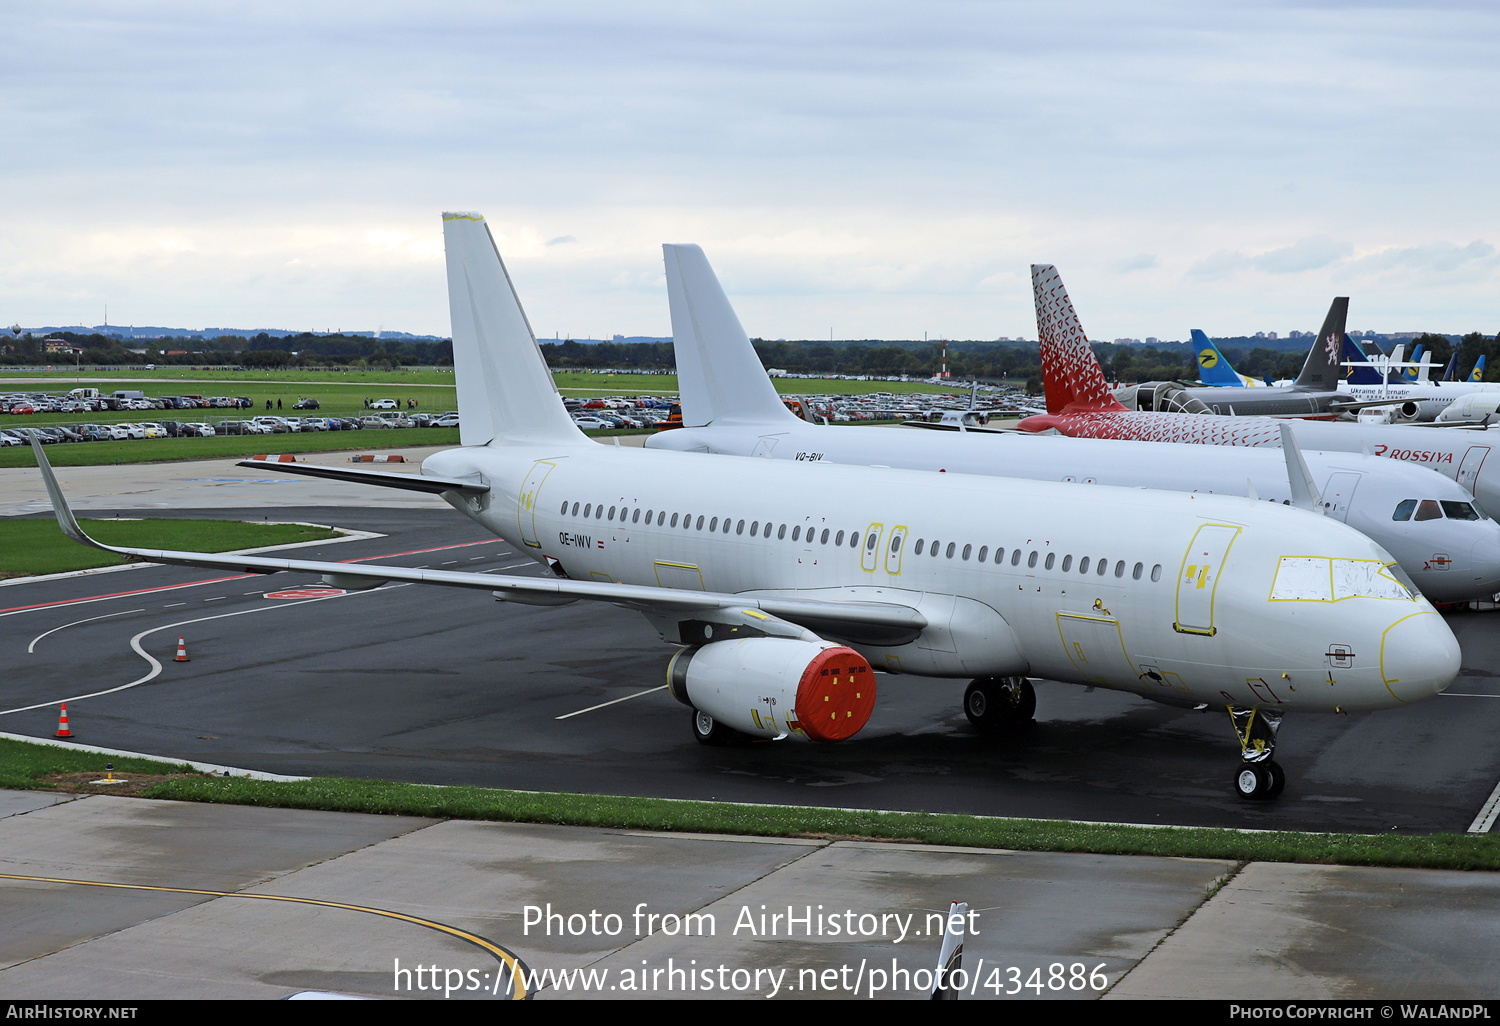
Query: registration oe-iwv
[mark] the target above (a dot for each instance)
(788, 583)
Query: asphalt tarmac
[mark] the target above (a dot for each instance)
(435, 685)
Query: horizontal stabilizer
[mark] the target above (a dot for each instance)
(379, 478)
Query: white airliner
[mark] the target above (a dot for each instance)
(760, 568)
(1450, 549)
(1079, 404)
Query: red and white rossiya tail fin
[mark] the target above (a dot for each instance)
(1070, 374)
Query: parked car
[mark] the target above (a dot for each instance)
(372, 422)
(197, 429)
(305, 404)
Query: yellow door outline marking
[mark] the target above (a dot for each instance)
(677, 566)
(899, 531)
(517, 968)
(869, 559)
(1189, 571)
(526, 501)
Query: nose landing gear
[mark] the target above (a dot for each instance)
(999, 704)
(1259, 778)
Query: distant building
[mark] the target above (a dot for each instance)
(1270, 334)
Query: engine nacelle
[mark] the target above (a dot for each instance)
(772, 687)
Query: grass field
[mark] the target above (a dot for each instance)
(34, 547)
(25, 765)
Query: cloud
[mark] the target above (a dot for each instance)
(1306, 255)
(1440, 257)
(1139, 262)
(561, 240)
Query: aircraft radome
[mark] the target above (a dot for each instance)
(787, 583)
(1448, 548)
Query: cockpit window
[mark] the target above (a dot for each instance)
(1404, 509)
(1428, 509)
(1459, 511)
(1321, 579)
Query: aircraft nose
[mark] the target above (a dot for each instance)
(1419, 657)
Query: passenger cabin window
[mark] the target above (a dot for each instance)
(1067, 563)
(1031, 560)
(781, 532)
(918, 549)
(1156, 573)
(999, 555)
(967, 550)
(1015, 557)
(635, 518)
(1051, 558)
(565, 509)
(984, 551)
(854, 539)
(951, 547)
(1083, 565)
(674, 519)
(838, 539)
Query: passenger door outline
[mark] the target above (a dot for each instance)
(1198, 578)
(893, 557)
(526, 501)
(869, 557)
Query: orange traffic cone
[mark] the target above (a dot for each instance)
(182, 650)
(62, 723)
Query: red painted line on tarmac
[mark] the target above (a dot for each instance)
(235, 577)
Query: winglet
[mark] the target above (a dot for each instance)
(1071, 376)
(65, 518)
(1304, 491)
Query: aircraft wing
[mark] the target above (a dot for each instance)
(877, 616)
(380, 478)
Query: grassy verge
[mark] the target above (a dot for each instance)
(27, 767)
(33, 547)
(1436, 851)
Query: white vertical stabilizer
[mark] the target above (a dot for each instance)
(720, 378)
(505, 391)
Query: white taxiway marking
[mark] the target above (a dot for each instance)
(1487, 814)
(32, 647)
(616, 701)
(135, 643)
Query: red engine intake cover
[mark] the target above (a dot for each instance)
(836, 695)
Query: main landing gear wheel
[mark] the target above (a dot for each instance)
(998, 704)
(1259, 781)
(709, 731)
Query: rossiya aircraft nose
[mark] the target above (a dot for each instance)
(1419, 657)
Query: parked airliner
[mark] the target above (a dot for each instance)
(1450, 549)
(787, 582)
(1079, 404)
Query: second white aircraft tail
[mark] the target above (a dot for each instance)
(505, 390)
(720, 378)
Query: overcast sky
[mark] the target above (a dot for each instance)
(877, 170)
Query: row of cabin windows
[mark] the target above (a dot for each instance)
(714, 524)
(1101, 565)
(764, 530)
